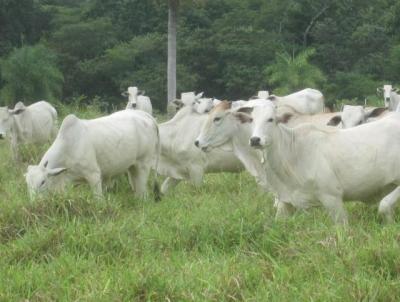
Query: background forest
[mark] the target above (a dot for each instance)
(69, 50)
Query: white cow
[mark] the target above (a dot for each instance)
(137, 100)
(35, 124)
(352, 115)
(224, 125)
(199, 104)
(390, 96)
(96, 150)
(181, 160)
(263, 94)
(309, 165)
(306, 101)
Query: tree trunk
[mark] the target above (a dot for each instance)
(172, 23)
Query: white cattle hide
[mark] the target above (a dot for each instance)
(390, 96)
(306, 101)
(138, 101)
(96, 150)
(34, 124)
(356, 115)
(224, 126)
(309, 165)
(181, 160)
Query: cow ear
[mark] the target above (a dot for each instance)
(246, 110)
(272, 98)
(375, 112)
(45, 164)
(243, 117)
(334, 121)
(284, 118)
(17, 111)
(379, 89)
(56, 171)
(199, 95)
(124, 94)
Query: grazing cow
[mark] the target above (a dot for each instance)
(96, 150)
(32, 124)
(306, 101)
(181, 160)
(308, 165)
(137, 100)
(390, 96)
(352, 116)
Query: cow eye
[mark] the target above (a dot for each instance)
(216, 119)
(42, 183)
(270, 120)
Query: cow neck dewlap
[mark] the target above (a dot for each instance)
(281, 154)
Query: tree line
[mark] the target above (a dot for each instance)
(76, 50)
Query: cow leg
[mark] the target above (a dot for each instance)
(284, 210)
(168, 183)
(94, 180)
(131, 177)
(334, 206)
(196, 176)
(140, 180)
(15, 150)
(387, 204)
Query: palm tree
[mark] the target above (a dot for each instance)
(172, 24)
(290, 72)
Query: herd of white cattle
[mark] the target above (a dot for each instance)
(289, 144)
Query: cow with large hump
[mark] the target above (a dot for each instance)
(311, 165)
(181, 160)
(224, 125)
(137, 100)
(33, 124)
(306, 101)
(390, 96)
(96, 150)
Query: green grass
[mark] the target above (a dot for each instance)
(214, 243)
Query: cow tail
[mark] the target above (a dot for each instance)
(156, 186)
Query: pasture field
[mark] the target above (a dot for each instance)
(218, 242)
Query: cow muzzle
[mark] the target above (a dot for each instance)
(203, 148)
(255, 141)
(133, 105)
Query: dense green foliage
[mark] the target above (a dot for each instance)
(218, 242)
(30, 72)
(224, 47)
